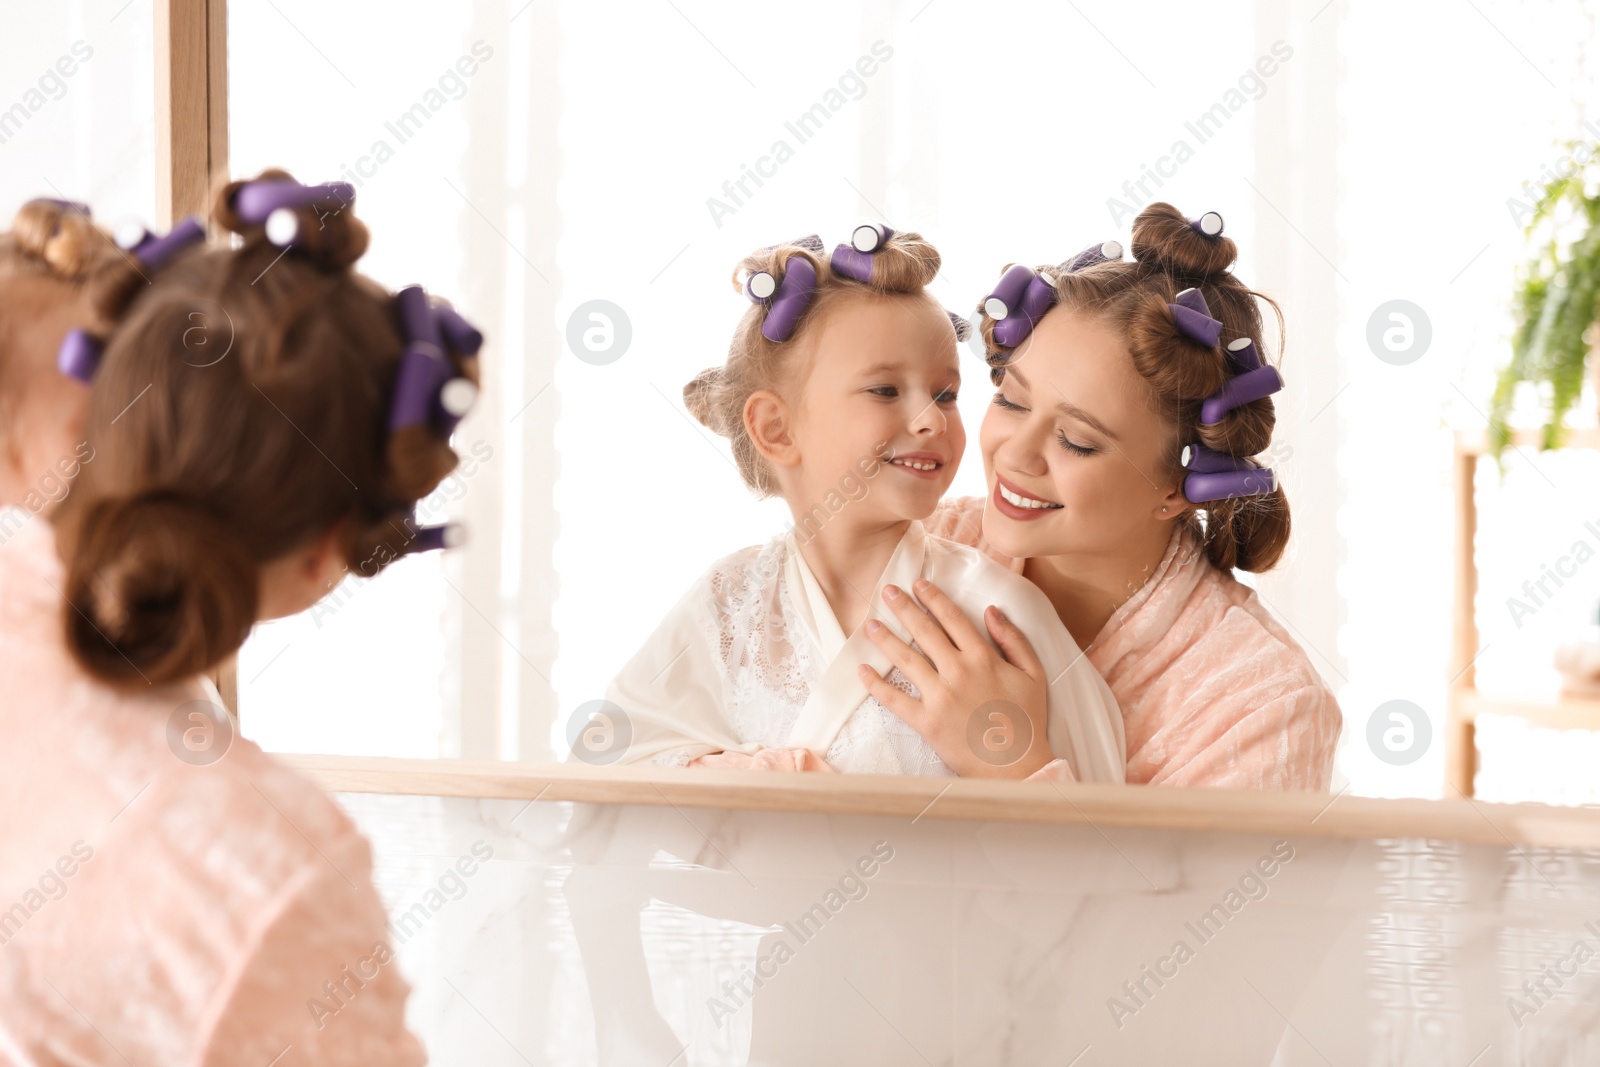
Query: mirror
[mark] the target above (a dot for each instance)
(582, 187)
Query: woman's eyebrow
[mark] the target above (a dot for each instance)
(1075, 412)
(1072, 411)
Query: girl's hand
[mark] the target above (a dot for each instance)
(985, 714)
(766, 759)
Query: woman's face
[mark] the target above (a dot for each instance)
(1074, 432)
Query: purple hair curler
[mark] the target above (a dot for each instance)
(455, 399)
(79, 355)
(1007, 291)
(464, 338)
(1224, 485)
(1208, 225)
(1194, 300)
(1193, 318)
(852, 263)
(423, 369)
(1240, 390)
(417, 321)
(1202, 460)
(1104, 252)
(854, 260)
(790, 299)
(1243, 352)
(417, 384)
(272, 204)
(154, 253)
(1038, 298)
(760, 286)
(132, 237)
(254, 201)
(434, 538)
(870, 236)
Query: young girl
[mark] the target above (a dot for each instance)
(839, 395)
(46, 263)
(261, 420)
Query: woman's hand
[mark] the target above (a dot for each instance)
(984, 713)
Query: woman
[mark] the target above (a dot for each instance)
(261, 419)
(1084, 454)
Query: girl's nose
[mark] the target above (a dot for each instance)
(929, 420)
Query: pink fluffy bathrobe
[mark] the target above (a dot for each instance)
(159, 910)
(1213, 690)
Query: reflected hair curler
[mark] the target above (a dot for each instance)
(785, 300)
(1022, 296)
(1239, 390)
(1204, 486)
(1037, 297)
(1193, 318)
(1242, 352)
(1207, 225)
(855, 260)
(1104, 252)
(1199, 459)
(871, 236)
(271, 204)
(761, 284)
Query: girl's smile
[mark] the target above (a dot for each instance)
(919, 464)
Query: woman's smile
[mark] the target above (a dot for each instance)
(1013, 503)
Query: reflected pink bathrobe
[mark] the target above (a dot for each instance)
(1213, 690)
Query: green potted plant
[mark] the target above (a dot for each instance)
(1554, 303)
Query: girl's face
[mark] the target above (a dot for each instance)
(876, 423)
(1072, 426)
(41, 409)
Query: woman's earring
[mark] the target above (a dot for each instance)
(1163, 509)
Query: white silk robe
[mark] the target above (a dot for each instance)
(752, 659)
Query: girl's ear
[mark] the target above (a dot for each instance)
(766, 421)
